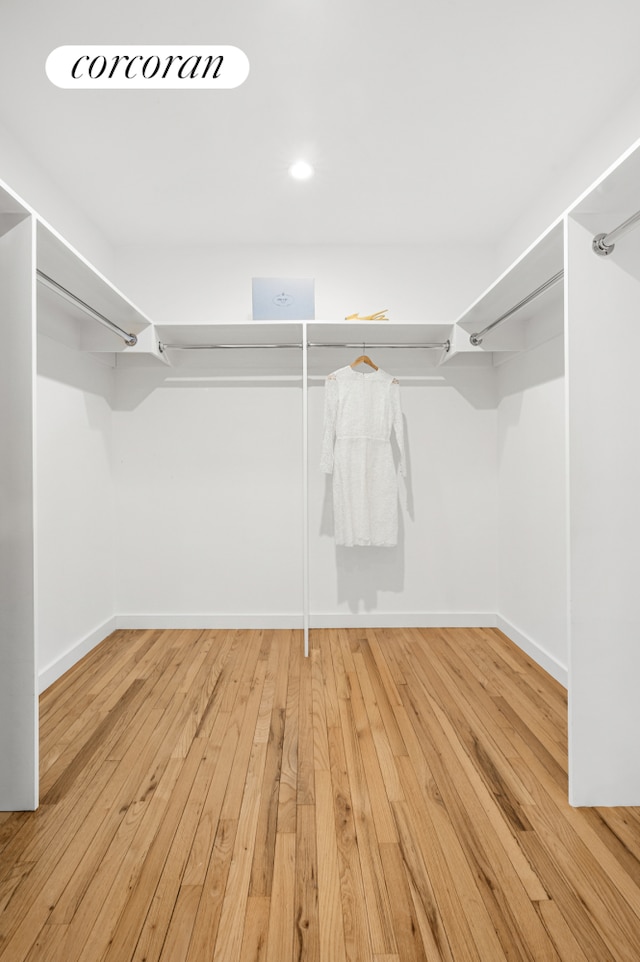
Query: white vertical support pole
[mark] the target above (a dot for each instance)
(305, 489)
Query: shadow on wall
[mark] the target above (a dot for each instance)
(363, 571)
(135, 385)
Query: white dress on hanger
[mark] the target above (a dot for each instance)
(361, 410)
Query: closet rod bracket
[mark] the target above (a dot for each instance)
(599, 246)
(603, 244)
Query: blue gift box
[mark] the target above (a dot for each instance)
(283, 299)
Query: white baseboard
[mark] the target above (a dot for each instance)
(404, 619)
(550, 664)
(209, 621)
(57, 668)
(370, 619)
(364, 619)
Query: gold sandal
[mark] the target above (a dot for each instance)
(378, 316)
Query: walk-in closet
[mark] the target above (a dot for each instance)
(175, 474)
(318, 623)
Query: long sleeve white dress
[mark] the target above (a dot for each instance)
(361, 410)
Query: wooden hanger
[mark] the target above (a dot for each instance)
(364, 359)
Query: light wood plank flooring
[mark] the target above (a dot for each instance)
(397, 796)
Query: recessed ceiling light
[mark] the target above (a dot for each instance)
(301, 170)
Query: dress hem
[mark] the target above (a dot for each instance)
(367, 544)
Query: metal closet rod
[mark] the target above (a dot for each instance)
(604, 244)
(129, 339)
(443, 345)
(163, 346)
(476, 339)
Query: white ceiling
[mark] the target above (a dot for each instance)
(424, 120)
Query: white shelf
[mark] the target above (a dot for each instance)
(371, 337)
(250, 358)
(539, 263)
(389, 332)
(381, 337)
(67, 322)
(12, 212)
(615, 195)
(326, 331)
(252, 332)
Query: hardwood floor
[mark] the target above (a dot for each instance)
(400, 795)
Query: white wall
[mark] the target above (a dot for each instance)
(559, 188)
(202, 285)
(532, 512)
(443, 570)
(76, 561)
(209, 505)
(24, 175)
(209, 499)
(187, 451)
